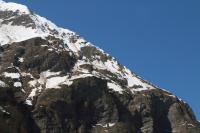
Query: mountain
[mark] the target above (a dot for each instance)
(54, 81)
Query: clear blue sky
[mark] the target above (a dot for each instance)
(157, 39)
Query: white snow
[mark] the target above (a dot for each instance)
(134, 80)
(191, 125)
(44, 28)
(10, 33)
(28, 102)
(99, 65)
(81, 76)
(78, 65)
(115, 87)
(32, 83)
(3, 110)
(50, 49)
(112, 66)
(12, 75)
(54, 82)
(18, 84)
(107, 125)
(48, 73)
(172, 96)
(27, 74)
(2, 84)
(10, 6)
(63, 34)
(21, 60)
(50, 80)
(33, 93)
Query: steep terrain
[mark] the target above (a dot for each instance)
(53, 81)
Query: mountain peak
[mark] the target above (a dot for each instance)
(18, 23)
(17, 27)
(53, 80)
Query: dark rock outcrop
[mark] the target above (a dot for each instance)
(87, 105)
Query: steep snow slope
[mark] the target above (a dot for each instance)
(43, 28)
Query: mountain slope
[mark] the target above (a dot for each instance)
(52, 80)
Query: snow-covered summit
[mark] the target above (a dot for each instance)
(17, 24)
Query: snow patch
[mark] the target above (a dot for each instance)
(134, 81)
(21, 60)
(107, 125)
(112, 66)
(81, 76)
(2, 84)
(115, 87)
(3, 110)
(33, 93)
(54, 82)
(17, 84)
(10, 33)
(48, 73)
(28, 102)
(12, 75)
(27, 74)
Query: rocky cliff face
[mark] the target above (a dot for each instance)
(53, 81)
